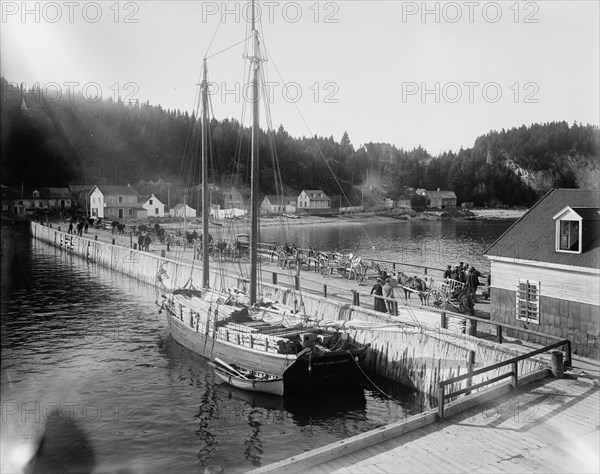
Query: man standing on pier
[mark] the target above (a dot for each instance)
(388, 292)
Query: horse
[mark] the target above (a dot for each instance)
(415, 283)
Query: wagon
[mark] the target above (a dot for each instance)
(450, 292)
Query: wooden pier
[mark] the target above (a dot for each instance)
(550, 425)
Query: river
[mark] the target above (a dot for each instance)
(87, 360)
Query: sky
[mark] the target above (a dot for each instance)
(430, 74)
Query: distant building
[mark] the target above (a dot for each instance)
(440, 199)
(154, 207)
(183, 211)
(236, 197)
(313, 199)
(278, 204)
(545, 269)
(403, 203)
(115, 202)
(44, 198)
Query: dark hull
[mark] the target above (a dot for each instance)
(330, 371)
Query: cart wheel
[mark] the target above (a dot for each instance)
(323, 269)
(282, 259)
(435, 299)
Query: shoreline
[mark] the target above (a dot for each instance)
(479, 215)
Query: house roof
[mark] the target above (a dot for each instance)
(143, 199)
(116, 190)
(46, 193)
(309, 192)
(440, 194)
(276, 199)
(533, 236)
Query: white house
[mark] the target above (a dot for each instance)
(153, 205)
(182, 210)
(277, 204)
(545, 269)
(313, 199)
(115, 202)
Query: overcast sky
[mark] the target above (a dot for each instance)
(435, 74)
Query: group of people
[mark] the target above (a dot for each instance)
(144, 241)
(383, 287)
(81, 225)
(466, 274)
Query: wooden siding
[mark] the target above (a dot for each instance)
(578, 322)
(574, 286)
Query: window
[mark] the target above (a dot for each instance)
(36, 194)
(528, 298)
(121, 199)
(150, 202)
(130, 211)
(569, 236)
(156, 210)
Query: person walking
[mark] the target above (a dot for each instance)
(141, 242)
(388, 292)
(169, 241)
(378, 291)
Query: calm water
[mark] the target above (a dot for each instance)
(434, 244)
(86, 356)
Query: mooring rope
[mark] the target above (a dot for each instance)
(373, 383)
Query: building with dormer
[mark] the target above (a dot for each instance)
(313, 199)
(545, 269)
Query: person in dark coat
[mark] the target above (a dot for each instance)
(448, 272)
(472, 282)
(378, 291)
(147, 242)
(141, 242)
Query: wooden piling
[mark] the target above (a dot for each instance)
(558, 367)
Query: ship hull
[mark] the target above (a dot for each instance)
(301, 373)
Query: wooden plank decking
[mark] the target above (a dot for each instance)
(552, 425)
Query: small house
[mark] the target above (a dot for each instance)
(277, 204)
(154, 207)
(545, 269)
(440, 199)
(313, 199)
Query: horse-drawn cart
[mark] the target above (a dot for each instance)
(450, 292)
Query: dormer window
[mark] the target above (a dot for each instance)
(569, 236)
(36, 194)
(568, 231)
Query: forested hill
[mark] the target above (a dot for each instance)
(76, 141)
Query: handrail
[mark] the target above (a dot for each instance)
(442, 395)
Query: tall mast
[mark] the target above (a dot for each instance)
(205, 203)
(255, 69)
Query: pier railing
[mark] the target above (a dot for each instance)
(513, 373)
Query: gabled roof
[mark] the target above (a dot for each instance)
(440, 194)
(533, 236)
(116, 190)
(309, 192)
(144, 198)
